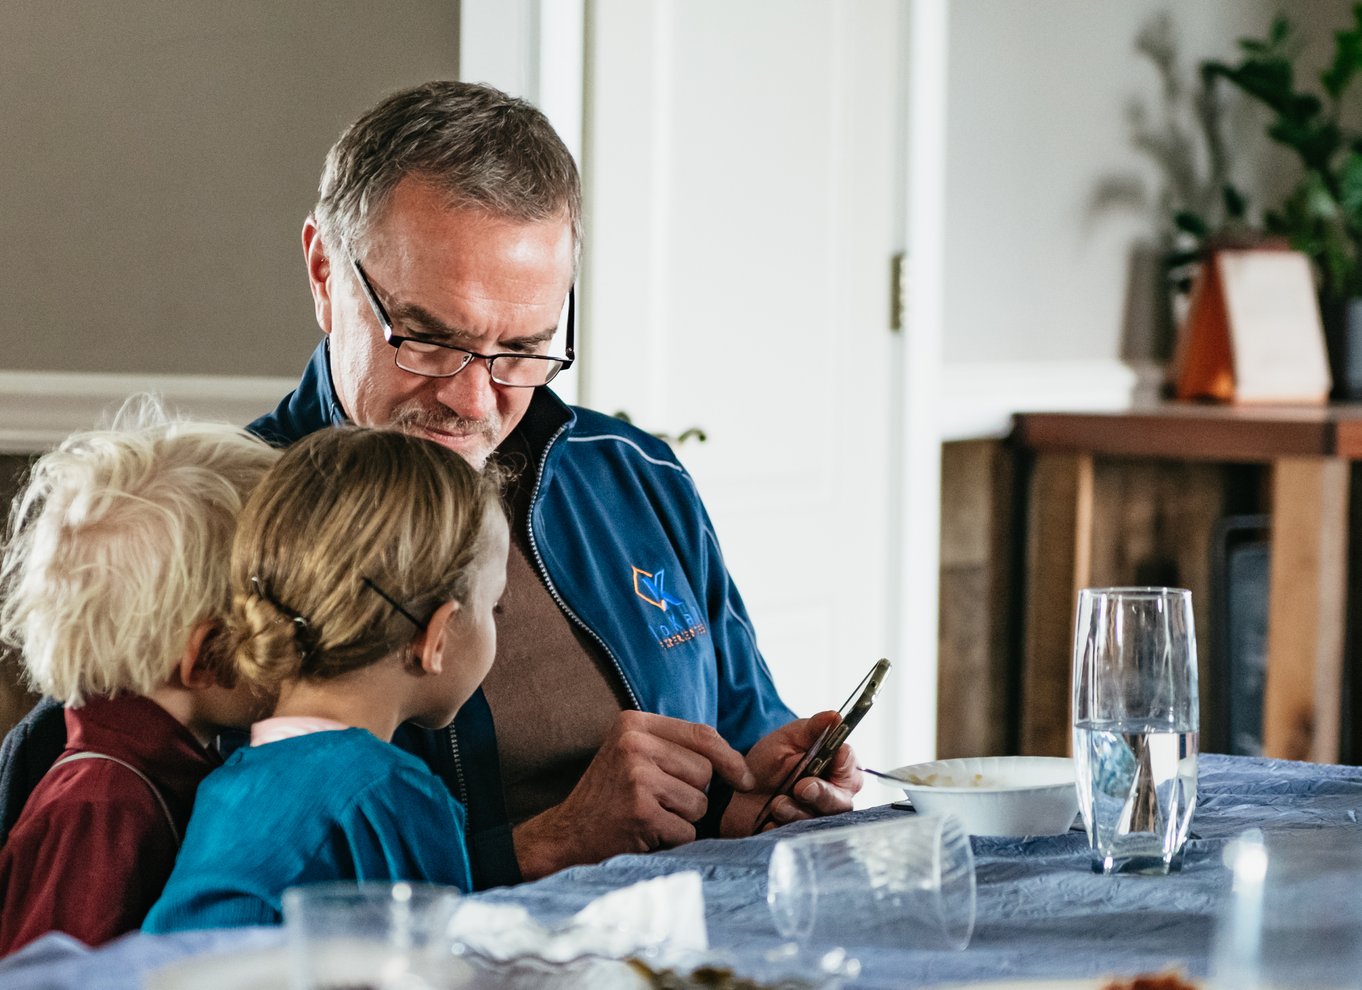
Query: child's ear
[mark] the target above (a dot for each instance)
(429, 645)
(198, 665)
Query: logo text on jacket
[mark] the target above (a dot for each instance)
(676, 624)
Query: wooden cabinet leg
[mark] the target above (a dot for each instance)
(1058, 563)
(1303, 692)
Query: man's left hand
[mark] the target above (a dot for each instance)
(775, 756)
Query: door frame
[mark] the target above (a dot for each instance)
(917, 541)
(536, 49)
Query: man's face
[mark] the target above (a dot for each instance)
(456, 276)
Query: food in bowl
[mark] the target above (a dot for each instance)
(1167, 980)
(936, 780)
(996, 795)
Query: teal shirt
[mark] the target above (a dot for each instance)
(340, 805)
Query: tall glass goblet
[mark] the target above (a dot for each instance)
(1135, 725)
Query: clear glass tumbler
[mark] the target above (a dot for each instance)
(1294, 918)
(1136, 721)
(368, 936)
(907, 882)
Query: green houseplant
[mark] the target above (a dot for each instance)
(1322, 216)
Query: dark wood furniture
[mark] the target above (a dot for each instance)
(1308, 452)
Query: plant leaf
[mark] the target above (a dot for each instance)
(1315, 142)
(1236, 206)
(1303, 106)
(1317, 201)
(1347, 61)
(1268, 80)
(1190, 223)
(1350, 189)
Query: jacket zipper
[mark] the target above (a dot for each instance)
(558, 600)
(458, 765)
(548, 581)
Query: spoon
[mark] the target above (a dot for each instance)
(901, 805)
(897, 781)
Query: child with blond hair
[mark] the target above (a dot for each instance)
(364, 577)
(115, 593)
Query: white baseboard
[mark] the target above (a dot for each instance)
(978, 400)
(39, 408)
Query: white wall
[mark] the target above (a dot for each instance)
(1038, 119)
(534, 49)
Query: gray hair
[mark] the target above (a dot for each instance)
(474, 143)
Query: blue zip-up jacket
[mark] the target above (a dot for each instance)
(621, 539)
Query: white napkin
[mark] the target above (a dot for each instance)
(661, 916)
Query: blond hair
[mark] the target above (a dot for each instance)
(119, 546)
(352, 539)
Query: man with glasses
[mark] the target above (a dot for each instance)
(441, 255)
(628, 702)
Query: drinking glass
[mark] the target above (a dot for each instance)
(1135, 725)
(368, 936)
(1294, 918)
(905, 882)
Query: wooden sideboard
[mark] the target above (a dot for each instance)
(1308, 452)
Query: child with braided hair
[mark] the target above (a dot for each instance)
(364, 572)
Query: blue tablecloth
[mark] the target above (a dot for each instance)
(1042, 913)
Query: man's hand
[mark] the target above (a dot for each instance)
(775, 756)
(644, 790)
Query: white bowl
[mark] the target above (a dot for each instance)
(996, 795)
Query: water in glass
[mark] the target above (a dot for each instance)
(1135, 725)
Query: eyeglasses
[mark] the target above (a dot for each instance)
(436, 360)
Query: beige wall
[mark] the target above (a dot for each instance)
(159, 159)
(1039, 262)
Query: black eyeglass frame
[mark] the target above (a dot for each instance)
(396, 341)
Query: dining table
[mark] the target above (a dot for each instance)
(1042, 914)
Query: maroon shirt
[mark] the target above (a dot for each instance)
(92, 848)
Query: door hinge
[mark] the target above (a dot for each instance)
(898, 290)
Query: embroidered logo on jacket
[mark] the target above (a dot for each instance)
(676, 624)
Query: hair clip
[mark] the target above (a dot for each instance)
(298, 620)
(373, 586)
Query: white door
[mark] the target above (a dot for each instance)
(745, 196)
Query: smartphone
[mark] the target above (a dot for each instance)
(814, 763)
